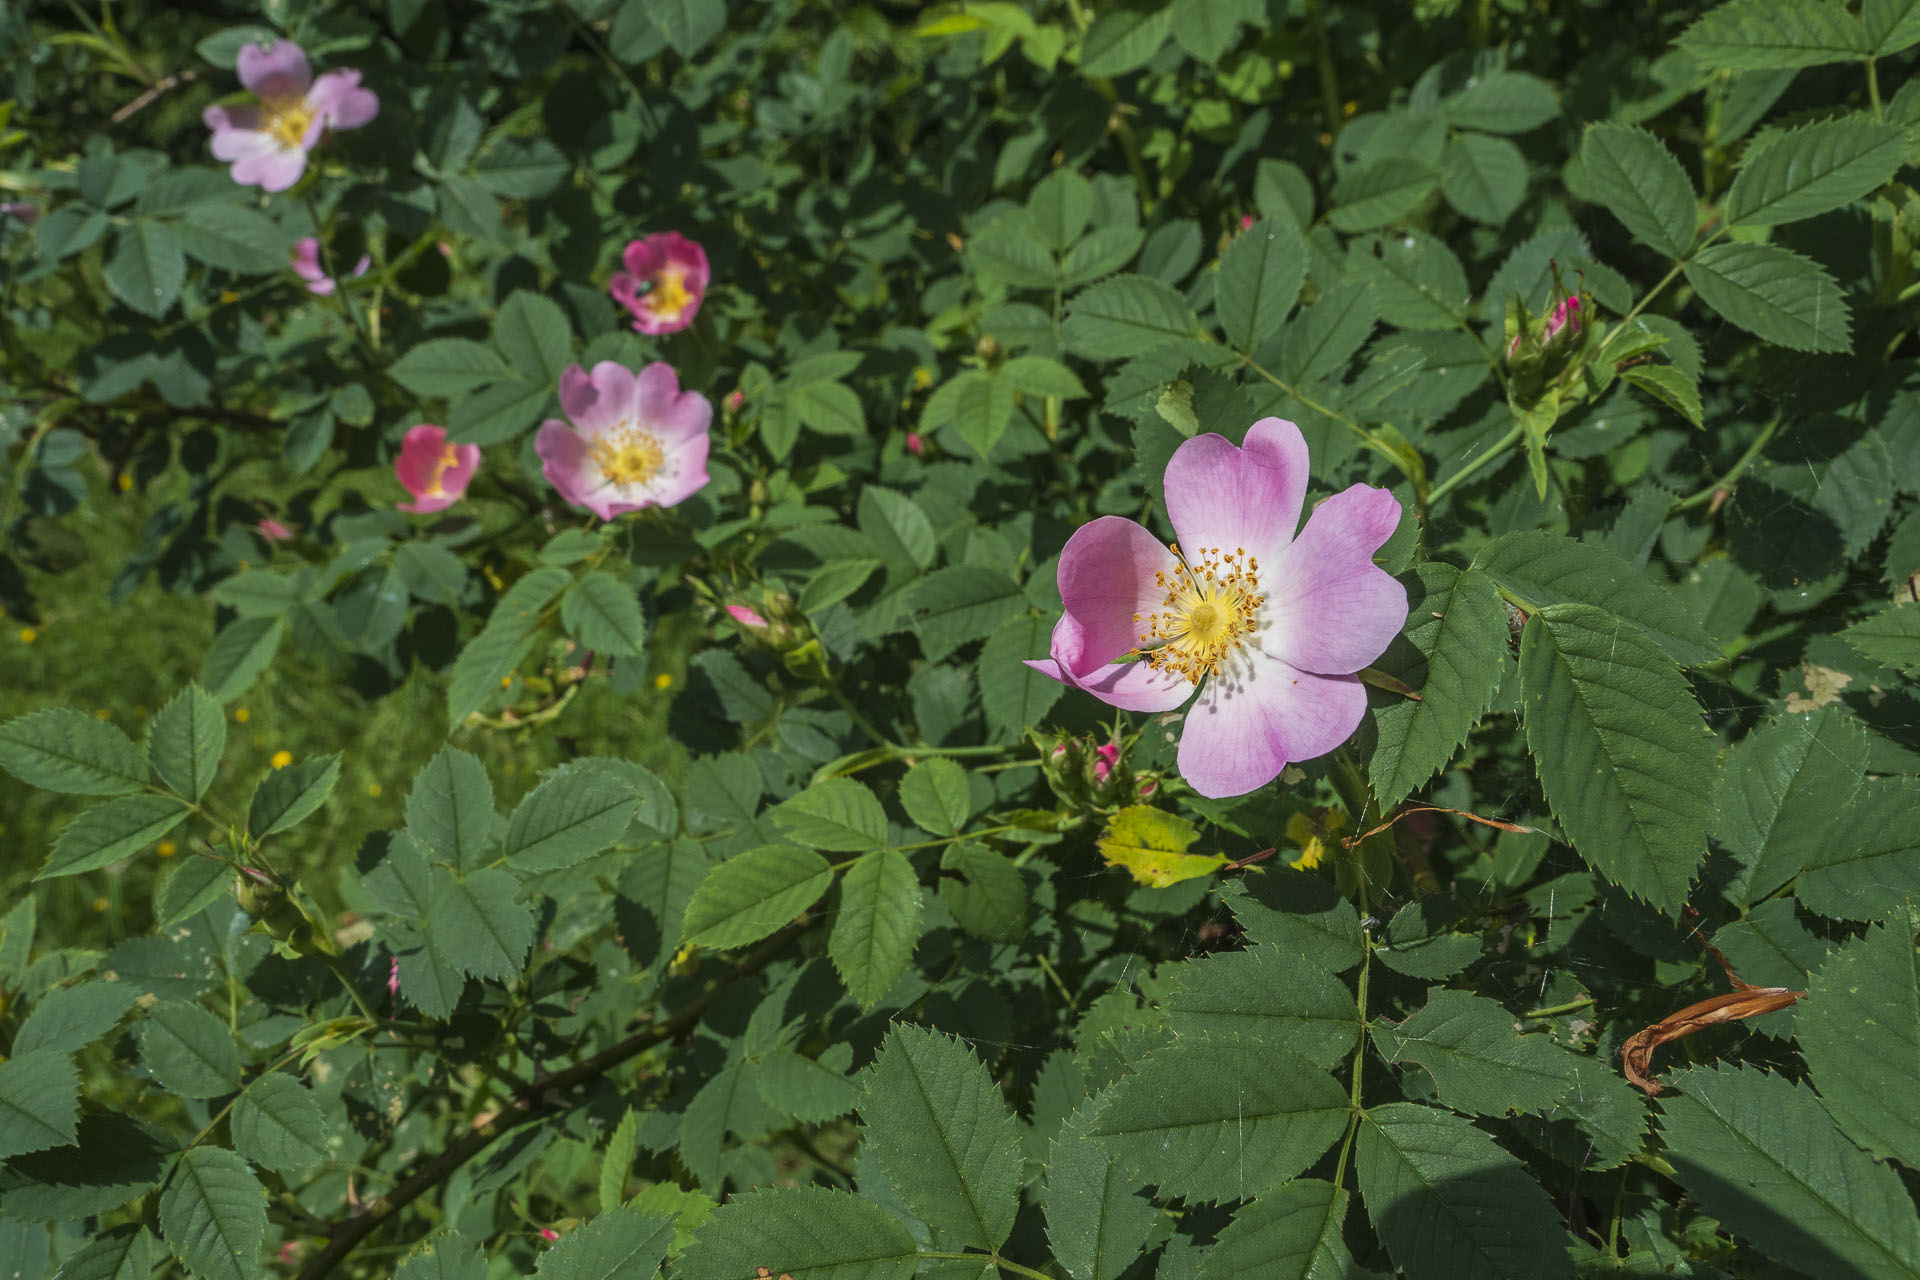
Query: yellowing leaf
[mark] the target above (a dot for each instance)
(1152, 847)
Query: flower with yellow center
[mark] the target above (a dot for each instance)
(628, 455)
(1212, 604)
(664, 280)
(634, 440)
(435, 472)
(266, 142)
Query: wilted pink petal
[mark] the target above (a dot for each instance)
(664, 282)
(1269, 627)
(434, 472)
(635, 440)
(266, 143)
(746, 617)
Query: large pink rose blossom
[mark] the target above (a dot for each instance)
(1269, 627)
(267, 142)
(636, 441)
(434, 472)
(665, 279)
(306, 265)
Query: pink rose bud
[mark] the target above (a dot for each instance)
(746, 617)
(393, 977)
(736, 399)
(273, 531)
(266, 142)
(1058, 753)
(634, 440)
(664, 282)
(1104, 759)
(434, 472)
(1149, 788)
(915, 445)
(1565, 316)
(1246, 222)
(549, 1234)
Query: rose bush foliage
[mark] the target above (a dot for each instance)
(1063, 640)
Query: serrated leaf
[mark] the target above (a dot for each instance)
(1417, 281)
(74, 1017)
(752, 894)
(1670, 386)
(961, 603)
(603, 614)
(185, 739)
(1638, 179)
(1890, 637)
(1454, 656)
(1323, 337)
(1815, 168)
(938, 1125)
(1380, 193)
(492, 655)
(1859, 1030)
(1260, 278)
(1300, 914)
(1123, 40)
(1618, 742)
(1060, 206)
(286, 797)
(1127, 316)
(809, 1233)
(1765, 35)
(147, 267)
(1775, 294)
(1483, 177)
(1014, 695)
(617, 1244)
(71, 752)
(1290, 1233)
(837, 814)
(1544, 569)
(1039, 376)
(878, 925)
(616, 1164)
(39, 1102)
(278, 1124)
(448, 367)
(576, 811)
(811, 1090)
(235, 239)
(214, 1214)
(688, 25)
(934, 794)
(450, 809)
(1785, 793)
(190, 1051)
(1759, 1153)
(987, 894)
(1265, 992)
(446, 1255)
(123, 1253)
(1151, 845)
(238, 655)
(532, 332)
(1892, 25)
(477, 926)
(1502, 102)
(1449, 1204)
(1870, 867)
(110, 831)
(1479, 1061)
(1096, 1222)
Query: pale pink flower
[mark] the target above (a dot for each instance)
(267, 142)
(746, 617)
(273, 531)
(1268, 627)
(306, 265)
(664, 282)
(434, 472)
(636, 441)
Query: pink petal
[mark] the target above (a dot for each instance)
(563, 459)
(746, 617)
(1330, 609)
(419, 454)
(339, 101)
(576, 392)
(612, 402)
(426, 504)
(682, 474)
(1130, 686)
(1240, 734)
(1247, 498)
(279, 70)
(245, 118)
(236, 143)
(1107, 574)
(270, 170)
(662, 408)
(648, 320)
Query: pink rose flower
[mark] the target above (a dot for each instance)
(306, 265)
(1268, 627)
(434, 472)
(672, 271)
(267, 142)
(636, 441)
(746, 617)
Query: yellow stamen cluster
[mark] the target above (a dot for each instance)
(1211, 605)
(669, 296)
(287, 120)
(628, 454)
(447, 460)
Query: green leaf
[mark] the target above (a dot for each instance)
(1323, 337)
(445, 1256)
(1622, 754)
(1870, 868)
(532, 332)
(1096, 1222)
(109, 832)
(1039, 376)
(1544, 569)
(878, 925)
(962, 603)
(603, 614)
(1785, 792)
(1449, 1204)
(1290, 1233)
(1127, 316)
(1417, 281)
(39, 1102)
(124, 1253)
(1454, 655)
(1810, 170)
(448, 367)
(288, 796)
(279, 1125)
(831, 408)
(1775, 294)
(688, 25)
(1478, 1059)
(1766, 35)
(1212, 1117)
(1123, 40)
(1637, 178)
(577, 810)
(190, 888)
(616, 1165)
(1483, 177)
(937, 1123)
(1892, 25)
(811, 1090)
(752, 894)
(477, 925)
(1014, 695)
(235, 239)
(498, 413)
(71, 752)
(450, 809)
(492, 655)
(838, 814)
(809, 1233)
(1268, 993)
(238, 655)
(190, 1051)
(1380, 193)
(898, 528)
(185, 739)
(1260, 278)
(986, 894)
(1502, 102)
(521, 168)
(1060, 205)
(1759, 1153)
(71, 1018)
(1859, 1030)
(1679, 391)
(214, 1214)
(1298, 913)
(1890, 637)
(617, 1244)
(147, 267)
(934, 794)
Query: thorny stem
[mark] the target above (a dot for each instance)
(1725, 482)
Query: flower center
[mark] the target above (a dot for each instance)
(287, 120)
(628, 455)
(1212, 603)
(447, 460)
(669, 297)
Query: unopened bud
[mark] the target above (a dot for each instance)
(915, 445)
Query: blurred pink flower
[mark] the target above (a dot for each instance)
(746, 617)
(434, 472)
(25, 211)
(267, 142)
(549, 1234)
(273, 531)
(1246, 222)
(306, 265)
(1269, 627)
(636, 441)
(915, 445)
(672, 271)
